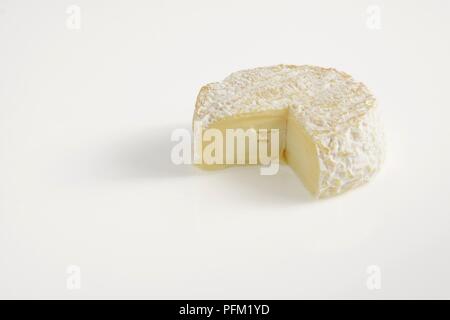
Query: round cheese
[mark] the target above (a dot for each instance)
(331, 133)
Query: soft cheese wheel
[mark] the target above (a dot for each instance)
(329, 128)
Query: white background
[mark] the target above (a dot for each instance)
(86, 177)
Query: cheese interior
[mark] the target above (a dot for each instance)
(296, 147)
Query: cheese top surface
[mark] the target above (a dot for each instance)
(323, 99)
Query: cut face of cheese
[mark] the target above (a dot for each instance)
(328, 127)
(266, 120)
(301, 155)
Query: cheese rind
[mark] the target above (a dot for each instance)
(333, 139)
